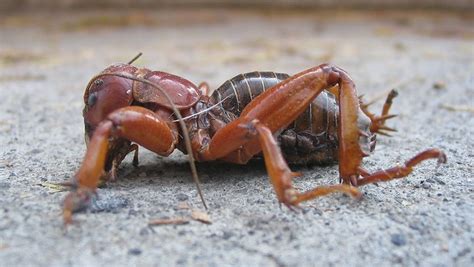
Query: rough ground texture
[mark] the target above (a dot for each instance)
(426, 219)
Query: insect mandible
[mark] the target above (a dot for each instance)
(313, 117)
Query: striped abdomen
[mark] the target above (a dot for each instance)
(311, 138)
(237, 92)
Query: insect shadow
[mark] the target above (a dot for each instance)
(174, 171)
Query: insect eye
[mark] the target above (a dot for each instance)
(92, 99)
(98, 82)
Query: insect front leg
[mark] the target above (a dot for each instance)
(135, 124)
(111, 175)
(204, 88)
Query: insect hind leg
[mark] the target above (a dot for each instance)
(281, 176)
(404, 170)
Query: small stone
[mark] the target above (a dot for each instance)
(144, 231)
(36, 151)
(445, 247)
(134, 251)
(182, 197)
(464, 252)
(398, 239)
(317, 212)
(439, 85)
(439, 181)
(415, 226)
(227, 235)
(426, 186)
(4, 185)
(108, 203)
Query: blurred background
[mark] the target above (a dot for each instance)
(49, 50)
(8, 5)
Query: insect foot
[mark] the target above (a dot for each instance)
(75, 201)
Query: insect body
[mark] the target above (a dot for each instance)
(311, 138)
(314, 116)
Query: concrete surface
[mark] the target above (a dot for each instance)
(427, 219)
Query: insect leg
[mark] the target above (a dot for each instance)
(378, 122)
(276, 108)
(280, 105)
(281, 176)
(204, 88)
(136, 124)
(405, 170)
(120, 156)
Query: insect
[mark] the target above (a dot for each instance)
(314, 116)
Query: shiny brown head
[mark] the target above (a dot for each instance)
(104, 94)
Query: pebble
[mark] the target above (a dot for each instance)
(36, 151)
(439, 181)
(108, 203)
(415, 226)
(144, 231)
(182, 197)
(135, 251)
(227, 235)
(438, 85)
(426, 186)
(398, 239)
(4, 185)
(464, 252)
(317, 212)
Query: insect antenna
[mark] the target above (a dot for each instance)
(187, 140)
(204, 110)
(135, 58)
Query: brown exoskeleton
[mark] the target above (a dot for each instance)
(314, 116)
